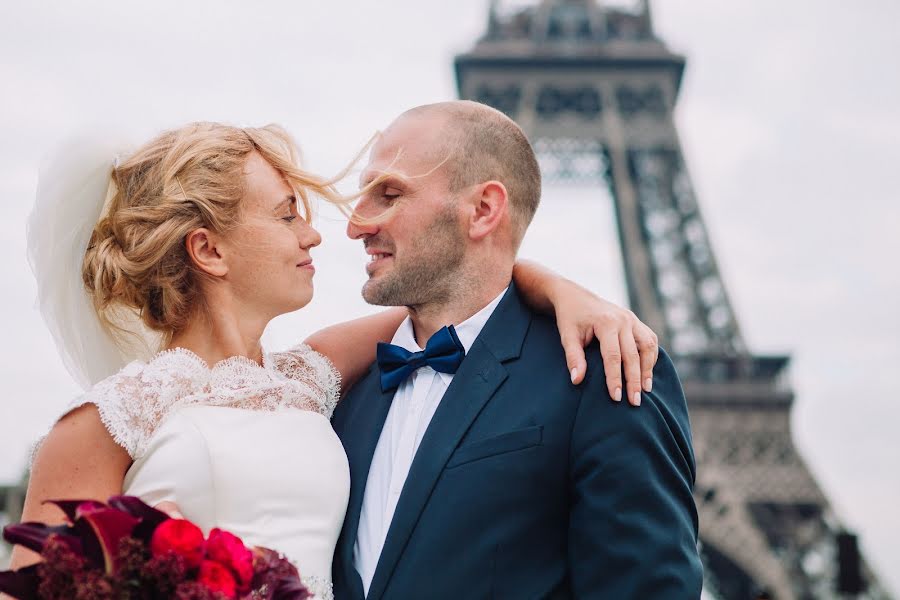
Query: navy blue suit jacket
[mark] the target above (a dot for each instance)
(526, 486)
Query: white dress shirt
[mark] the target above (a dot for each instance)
(414, 404)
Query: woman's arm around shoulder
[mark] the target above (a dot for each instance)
(351, 345)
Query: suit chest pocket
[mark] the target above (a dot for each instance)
(497, 445)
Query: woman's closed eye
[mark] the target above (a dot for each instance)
(293, 214)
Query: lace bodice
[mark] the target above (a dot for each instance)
(136, 400)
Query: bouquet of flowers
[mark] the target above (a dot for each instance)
(127, 550)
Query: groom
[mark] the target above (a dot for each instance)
(477, 469)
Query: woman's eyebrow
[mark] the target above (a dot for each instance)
(288, 200)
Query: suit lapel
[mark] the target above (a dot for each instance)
(476, 381)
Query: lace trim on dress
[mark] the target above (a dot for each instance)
(302, 363)
(133, 402)
(320, 587)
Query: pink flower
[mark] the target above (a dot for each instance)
(228, 550)
(181, 537)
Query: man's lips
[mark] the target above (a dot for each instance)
(377, 258)
(376, 253)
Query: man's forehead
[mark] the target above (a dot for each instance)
(421, 133)
(382, 158)
(405, 155)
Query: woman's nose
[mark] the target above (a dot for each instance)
(310, 238)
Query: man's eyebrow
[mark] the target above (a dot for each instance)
(391, 180)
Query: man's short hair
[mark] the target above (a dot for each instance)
(485, 145)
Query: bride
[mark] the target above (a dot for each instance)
(158, 276)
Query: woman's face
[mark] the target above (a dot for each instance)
(269, 262)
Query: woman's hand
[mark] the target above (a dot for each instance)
(626, 344)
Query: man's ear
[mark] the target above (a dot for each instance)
(491, 205)
(205, 249)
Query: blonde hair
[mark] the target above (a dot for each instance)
(183, 179)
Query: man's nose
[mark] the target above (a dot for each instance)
(361, 224)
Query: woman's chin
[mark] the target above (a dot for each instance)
(300, 299)
(303, 300)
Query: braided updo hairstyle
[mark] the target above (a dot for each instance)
(183, 179)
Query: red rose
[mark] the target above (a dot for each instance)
(181, 537)
(228, 550)
(217, 578)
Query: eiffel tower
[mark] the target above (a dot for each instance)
(594, 89)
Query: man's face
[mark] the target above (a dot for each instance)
(417, 246)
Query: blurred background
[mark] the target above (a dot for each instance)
(788, 117)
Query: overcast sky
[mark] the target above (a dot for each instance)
(789, 114)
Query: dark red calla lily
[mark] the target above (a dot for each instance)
(35, 535)
(22, 584)
(149, 516)
(109, 526)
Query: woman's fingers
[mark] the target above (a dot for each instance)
(574, 349)
(648, 346)
(628, 347)
(610, 351)
(631, 362)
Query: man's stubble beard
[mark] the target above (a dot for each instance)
(430, 270)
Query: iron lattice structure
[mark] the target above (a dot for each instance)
(594, 89)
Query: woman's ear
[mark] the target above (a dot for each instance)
(205, 249)
(491, 206)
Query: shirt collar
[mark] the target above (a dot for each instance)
(467, 331)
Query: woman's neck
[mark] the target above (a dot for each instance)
(218, 333)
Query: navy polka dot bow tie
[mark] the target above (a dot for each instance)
(443, 353)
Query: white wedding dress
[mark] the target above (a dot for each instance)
(239, 446)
